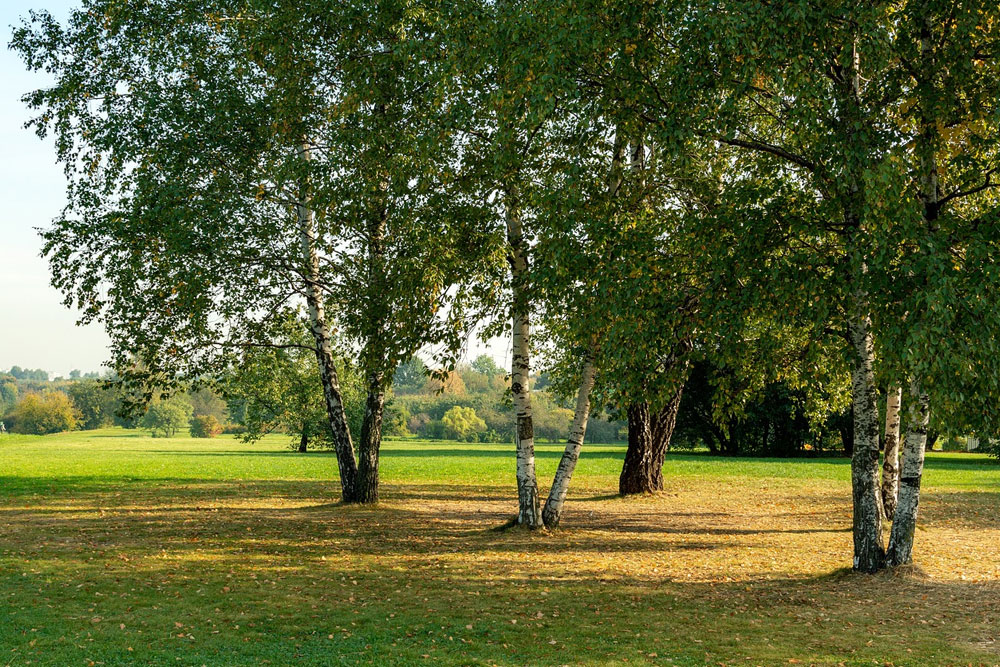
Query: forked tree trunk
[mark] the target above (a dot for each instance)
(528, 506)
(371, 442)
(905, 523)
(663, 432)
(567, 464)
(374, 355)
(890, 461)
(321, 335)
(869, 555)
(649, 435)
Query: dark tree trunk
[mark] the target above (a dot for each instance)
(846, 429)
(649, 437)
(663, 432)
(303, 442)
(635, 477)
(366, 488)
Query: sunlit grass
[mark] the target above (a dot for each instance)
(117, 548)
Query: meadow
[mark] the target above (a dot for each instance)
(120, 549)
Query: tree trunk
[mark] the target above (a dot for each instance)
(847, 433)
(635, 476)
(869, 555)
(890, 463)
(663, 432)
(567, 464)
(324, 355)
(529, 509)
(905, 523)
(371, 441)
(649, 435)
(303, 442)
(374, 355)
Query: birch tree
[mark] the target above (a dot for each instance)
(224, 177)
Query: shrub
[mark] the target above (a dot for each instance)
(48, 412)
(205, 426)
(462, 424)
(233, 428)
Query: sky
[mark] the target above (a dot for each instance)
(36, 329)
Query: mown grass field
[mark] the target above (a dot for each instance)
(118, 549)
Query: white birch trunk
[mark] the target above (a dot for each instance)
(554, 504)
(869, 555)
(567, 464)
(890, 462)
(905, 522)
(321, 336)
(529, 508)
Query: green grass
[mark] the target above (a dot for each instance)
(118, 549)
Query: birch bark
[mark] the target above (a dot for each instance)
(905, 522)
(869, 555)
(324, 355)
(567, 464)
(890, 461)
(529, 509)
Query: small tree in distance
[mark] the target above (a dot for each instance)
(166, 417)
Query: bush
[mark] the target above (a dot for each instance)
(48, 412)
(462, 424)
(233, 428)
(205, 426)
(395, 420)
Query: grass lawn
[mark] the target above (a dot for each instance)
(118, 549)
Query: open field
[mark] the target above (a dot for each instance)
(121, 549)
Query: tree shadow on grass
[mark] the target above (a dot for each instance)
(389, 453)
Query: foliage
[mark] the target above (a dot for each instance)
(166, 416)
(19, 373)
(46, 412)
(206, 401)
(8, 394)
(205, 426)
(96, 403)
(410, 377)
(462, 424)
(279, 389)
(484, 364)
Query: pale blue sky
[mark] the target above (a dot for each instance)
(36, 330)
